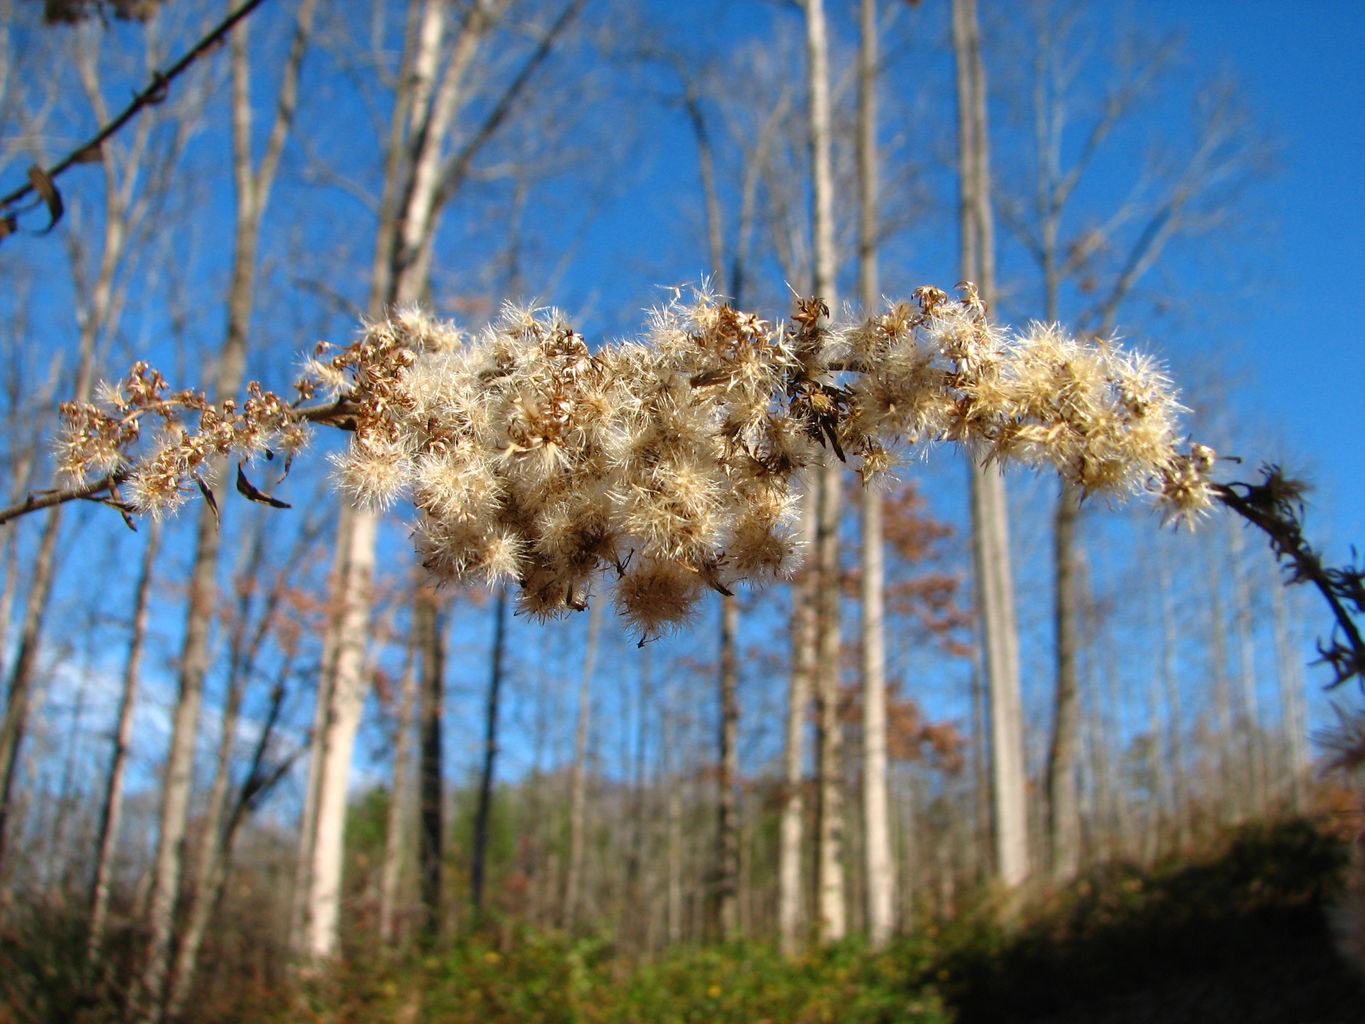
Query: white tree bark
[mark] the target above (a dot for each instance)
(829, 866)
(1063, 805)
(727, 810)
(1291, 687)
(790, 890)
(1253, 754)
(1177, 766)
(421, 122)
(253, 186)
(99, 308)
(879, 861)
(397, 847)
(420, 179)
(990, 525)
(578, 776)
(111, 813)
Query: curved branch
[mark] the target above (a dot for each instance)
(1275, 507)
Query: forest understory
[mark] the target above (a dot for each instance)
(1240, 933)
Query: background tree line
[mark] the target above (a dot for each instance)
(245, 740)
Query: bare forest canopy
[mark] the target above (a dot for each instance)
(42, 182)
(691, 466)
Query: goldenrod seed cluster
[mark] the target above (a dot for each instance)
(669, 464)
(186, 432)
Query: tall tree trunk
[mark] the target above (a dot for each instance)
(111, 810)
(1063, 806)
(990, 526)
(1175, 715)
(727, 807)
(879, 860)
(396, 842)
(419, 181)
(635, 928)
(215, 827)
(829, 866)
(22, 677)
(723, 902)
(671, 778)
(340, 685)
(342, 697)
(484, 813)
(253, 185)
(18, 693)
(578, 783)
(1253, 753)
(99, 307)
(430, 629)
(418, 129)
(791, 892)
(1230, 805)
(1291, 683)
(179, 778)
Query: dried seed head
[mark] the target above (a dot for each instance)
(668, 464)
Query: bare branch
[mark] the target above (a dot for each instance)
(457, 167)
(39, 500)
(152, 94)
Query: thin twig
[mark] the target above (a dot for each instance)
(93, 491)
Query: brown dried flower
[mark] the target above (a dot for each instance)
(668, 464)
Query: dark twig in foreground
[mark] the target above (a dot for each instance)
(96, 490)
(1275, 505)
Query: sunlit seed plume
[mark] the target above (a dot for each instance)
(665, 465)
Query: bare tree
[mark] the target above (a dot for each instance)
(578, 776)
(879, 863)
(397, 842)
(100, 298)
(429, 626)
(990, 530)
(727, 810)
(111, 810)
(1102, 258)
(254, 182)
(423, 172)
(1296, 759)
(484, 811)
(828, 499)
(223, 814)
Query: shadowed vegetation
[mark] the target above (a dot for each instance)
(1241, 934)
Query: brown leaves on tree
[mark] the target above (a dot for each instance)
(910, 736)
(47, 191)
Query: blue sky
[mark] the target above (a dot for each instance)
(1301, 64)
